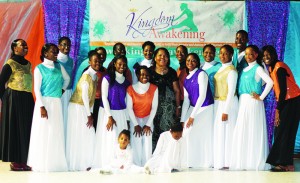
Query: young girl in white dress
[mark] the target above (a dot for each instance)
(197, 115)
(250, 141)
(142, 101)
(122, 160)
(81, 133)
(113, 115)
(47, 141)
(225, 108)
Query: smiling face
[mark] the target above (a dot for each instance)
(209, 54)
(95, 62)
(161, 58)
(250, 55)
(148, 52)
(52, 53)
(120, 65)
(123, 141)
(21, 48)
(144, 76)
(181, 54)
(241, 41)
(64, 47)
(225, 56)
(191, 62)
(267, 58)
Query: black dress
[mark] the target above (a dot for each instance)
(166, 111)
(16, 118)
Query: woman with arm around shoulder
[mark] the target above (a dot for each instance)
(250, 143)
(287, 114)
(142, 101)
(165, 78)
(47, 141)
(17, 107)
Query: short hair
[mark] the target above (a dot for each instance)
(177, 127)
(228, 48)
(210, 46)
(46, 48)
(183, 47)
(92, 53)
(196, 57)
(101, 48)
(64, 38)
(156, 52)
(125, 132)
(139, 68)
(242, 32)
(150, 43)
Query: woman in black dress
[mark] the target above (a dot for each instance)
(165, 78)
(17, 107)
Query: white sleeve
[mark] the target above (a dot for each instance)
(185, 105)
(231, 81)
(129, 159)
(153, 108)
(203, 82)
(85, 97)
(37, 87)
(66, 77)
(130, 109)
(265, 77)
(104, 93)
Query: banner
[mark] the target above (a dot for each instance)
(166, 23)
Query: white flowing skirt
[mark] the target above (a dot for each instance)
(65, 99)
(250, 141)
(80, 139)
(47, 141)
(223, 132)
(141, 146)
(106, 140)
(200, 139)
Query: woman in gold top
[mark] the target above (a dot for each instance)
(17, 107)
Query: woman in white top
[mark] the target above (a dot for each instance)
(225, 108)
(142, 101)
(47, 141)
(250, 141)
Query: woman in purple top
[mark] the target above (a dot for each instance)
(113, 115)
(197, 115)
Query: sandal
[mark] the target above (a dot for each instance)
(15, 167)
(279, 168)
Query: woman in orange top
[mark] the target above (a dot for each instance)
(287, 114)
(142, 102)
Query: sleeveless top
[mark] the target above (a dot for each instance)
(221, 86)
(248, 83)
(21, 77)
(192, 87)
(52, 80)
(77, 95)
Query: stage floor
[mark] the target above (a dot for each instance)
(197, 176)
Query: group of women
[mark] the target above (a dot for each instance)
(221, 109)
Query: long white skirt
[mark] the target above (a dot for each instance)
(47, 141)
(65, 99)
(223, 132)
(80, 139)
(106, 140)
(141, 146)
(200, 139)
(250, 141)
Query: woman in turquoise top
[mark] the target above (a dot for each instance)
(47, 144)
(210, 66)
(250, 142)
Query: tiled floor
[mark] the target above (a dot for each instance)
(197, 176)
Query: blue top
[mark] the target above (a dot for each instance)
(248, 83)
(192, 87)
(52, 80)
(211, 73)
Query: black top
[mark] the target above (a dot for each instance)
(281, 75)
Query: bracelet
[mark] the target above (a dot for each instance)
(179, 107)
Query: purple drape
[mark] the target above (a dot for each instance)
(64, 18)
(267, 24)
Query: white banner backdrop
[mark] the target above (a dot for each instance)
(166, 23)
